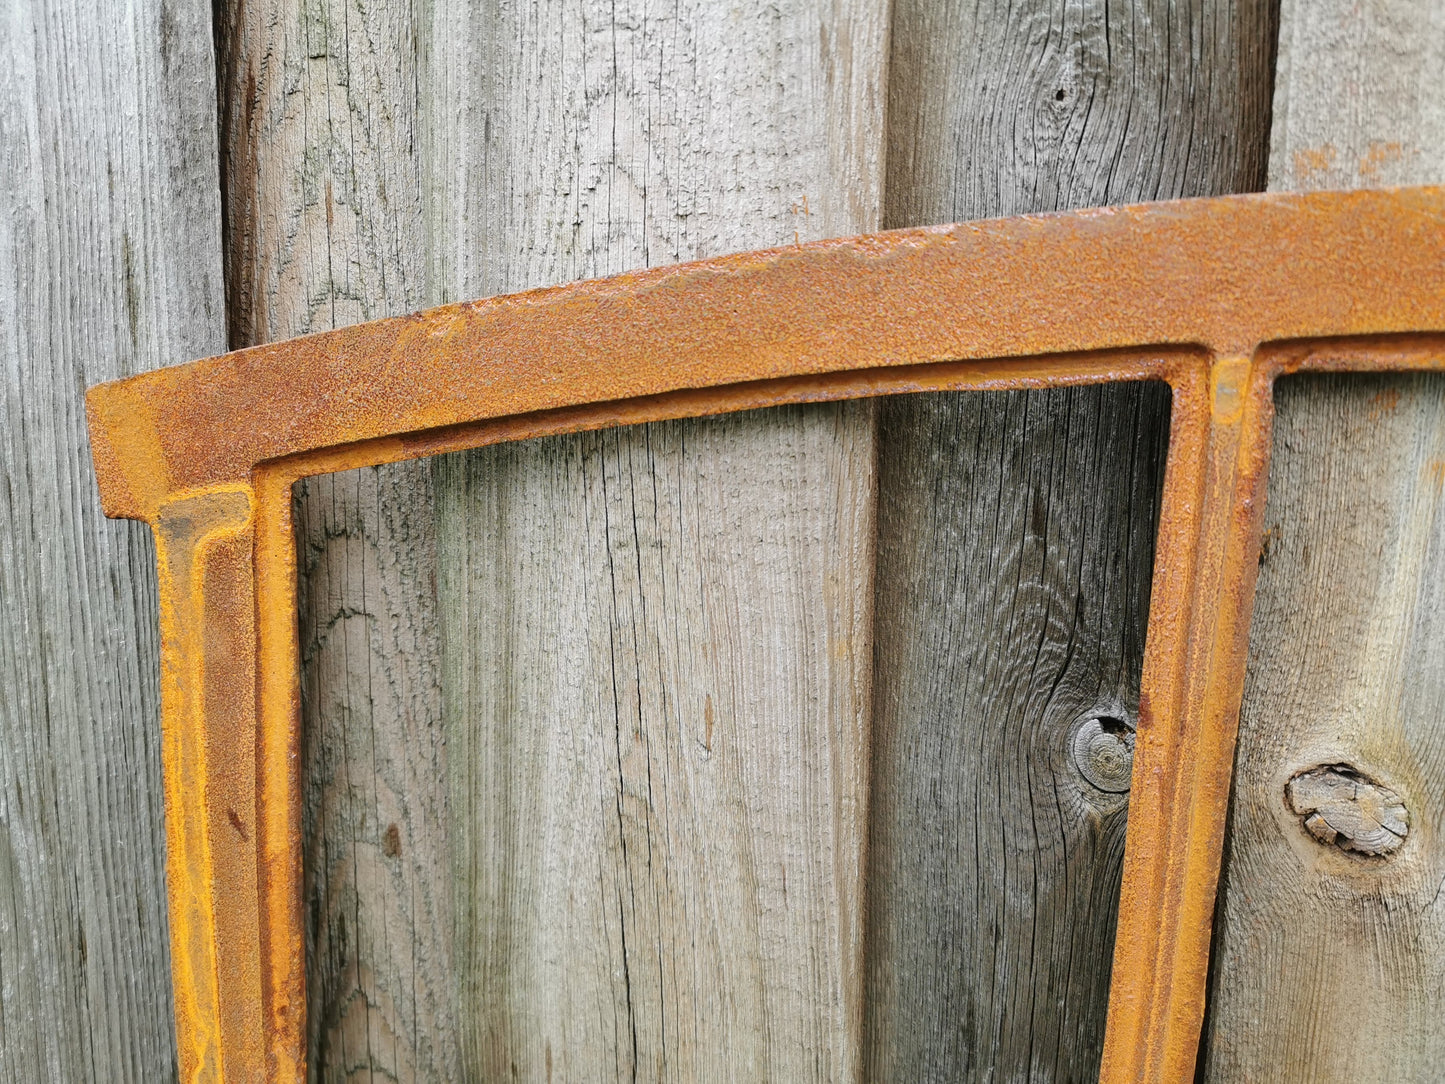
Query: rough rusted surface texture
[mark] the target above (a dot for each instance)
(1016, 534)
(656, 640)
(1357, 276)
(1223, 272)
(322, 177)
(1330, 964)
(110, 263)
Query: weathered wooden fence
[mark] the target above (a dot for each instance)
(738, 748)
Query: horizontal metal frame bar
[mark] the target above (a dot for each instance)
(1216, 297)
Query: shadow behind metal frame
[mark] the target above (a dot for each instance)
(1216, 297)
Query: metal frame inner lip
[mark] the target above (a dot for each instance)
(1231, 293)
(1423, 349)
(1158, 363)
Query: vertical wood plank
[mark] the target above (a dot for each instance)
(1329, 963)
(1016, 536)
(322, 184)
(109, 264)
(656, 641)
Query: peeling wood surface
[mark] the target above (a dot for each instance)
(656, 640)
(1015, 536)
(109, 264)
(322, 177)
(1329, 965)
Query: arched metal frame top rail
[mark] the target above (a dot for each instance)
(1217, 297)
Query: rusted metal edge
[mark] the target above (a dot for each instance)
(1224, 274)
(1215, 296)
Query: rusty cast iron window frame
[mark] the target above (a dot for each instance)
(1216, 297)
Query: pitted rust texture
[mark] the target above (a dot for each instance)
(1217, 297)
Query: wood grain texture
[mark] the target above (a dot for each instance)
(322, 183)
(1016, 534)
(655, 641)
(1357, 97)
(1329, 964)
(109, 264)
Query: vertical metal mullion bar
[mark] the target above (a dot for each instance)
(278, 782)
(205, 549)
(1206, 562)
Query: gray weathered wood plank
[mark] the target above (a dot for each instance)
(1329, 962)
(322, 182)
(109, 263)
(656, 641)
(1016, 536)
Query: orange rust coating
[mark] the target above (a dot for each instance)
(1215, 296)
(1206, 558)
(1226, 274)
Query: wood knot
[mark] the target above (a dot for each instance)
(1103, 748)
(1340, 805)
